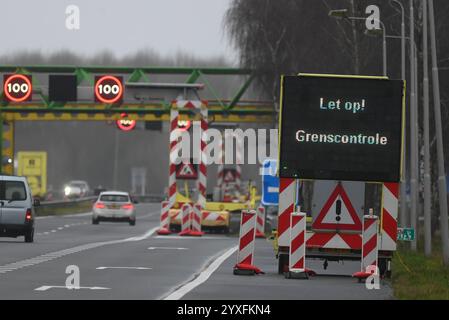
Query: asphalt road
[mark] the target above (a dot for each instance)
(118, 261)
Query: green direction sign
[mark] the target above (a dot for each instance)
(406, 234)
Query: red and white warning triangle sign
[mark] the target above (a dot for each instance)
(186, 171)
(338, 213)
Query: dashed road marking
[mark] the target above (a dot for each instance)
(59, 254)
(45, 288)
(167, 248)
(133, 268)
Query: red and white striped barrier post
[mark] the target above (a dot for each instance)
(245, 256)
(297, 252)
(220, 168)
(185, 219)
(389, 226)
(196, 221)
(287, 198)
(174, 154)
(369, 247)
(260, 230)
(239, 157)
(202, 174)
(165, 219)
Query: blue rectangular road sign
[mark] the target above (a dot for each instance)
(270, 183)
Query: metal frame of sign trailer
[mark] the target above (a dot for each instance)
(316, 242)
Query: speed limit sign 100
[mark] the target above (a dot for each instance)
(108, 89)
(17, 87)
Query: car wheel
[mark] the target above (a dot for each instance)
(95, 221)
(132, 222)
(29, 236)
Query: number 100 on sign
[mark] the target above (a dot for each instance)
(17, 87)
(108, 89)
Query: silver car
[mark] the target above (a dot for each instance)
(114, 206)
(16, 208)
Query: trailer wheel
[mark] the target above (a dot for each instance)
(282, 263)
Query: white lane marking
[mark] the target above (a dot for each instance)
(144, 236)
(45, 288)
(203, 276)
(83, 223)
(133, 268)
(188, 238)
(166, 248)
(59, 254)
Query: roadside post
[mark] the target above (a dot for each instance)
(165, 219)
(245, 255)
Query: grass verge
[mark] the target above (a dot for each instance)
(417, 277)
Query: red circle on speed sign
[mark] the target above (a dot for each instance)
(17, 87)
(184, 125)
(108, 89)
(125, 124)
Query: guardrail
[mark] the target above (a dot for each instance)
(50, 208)
(61, 207)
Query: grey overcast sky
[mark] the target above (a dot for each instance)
(121, 26)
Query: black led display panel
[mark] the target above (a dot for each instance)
(62, 88)
(341, 128)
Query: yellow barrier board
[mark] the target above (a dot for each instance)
(210, 219)
(33, 166)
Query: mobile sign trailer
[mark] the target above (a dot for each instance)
(341, 128)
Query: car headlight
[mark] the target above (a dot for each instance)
(67, 190)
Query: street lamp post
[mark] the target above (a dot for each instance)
(403, 208)
(442, 190)
(343, 13)
(427, 182)
(413, 129)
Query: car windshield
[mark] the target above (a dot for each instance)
(12, 190)
(114, 198)
(78, 185)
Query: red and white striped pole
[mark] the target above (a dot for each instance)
(221, 161)
(202, 175)
(173, 157)
(287, 198)
(165, 219)
(369, 247)
(239, 157)
(185, 219)
(260, 230)
(196, 221)
(245, 256)
(297, 252)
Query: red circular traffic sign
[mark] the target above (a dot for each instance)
(108, 89)
(125, 124)
(184, 125)
(17, 87)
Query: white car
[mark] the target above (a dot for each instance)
(76, 189)
(114, 206)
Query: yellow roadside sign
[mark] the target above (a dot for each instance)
(33, 166)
